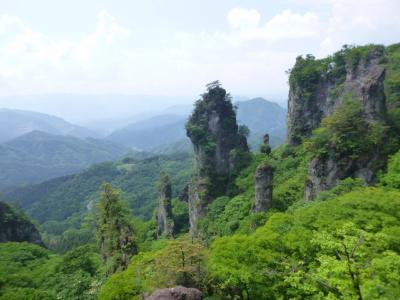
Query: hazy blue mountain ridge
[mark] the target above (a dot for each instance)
(38, 156)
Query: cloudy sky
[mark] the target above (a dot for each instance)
(174, 47)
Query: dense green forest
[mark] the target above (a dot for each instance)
(37, 156)
(61, 205)
(327, 227)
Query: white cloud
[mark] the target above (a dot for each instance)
(249, 58)
(240, 18)
(33, 62)
(289, 25)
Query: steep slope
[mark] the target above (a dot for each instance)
(14, 123)
(339, 105)
(37, 156)
(15, 227)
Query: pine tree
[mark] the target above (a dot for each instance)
(114, 232)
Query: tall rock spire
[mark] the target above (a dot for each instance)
(165, 223)
(218, 149)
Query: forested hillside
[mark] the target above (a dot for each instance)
(62, 203)
(38, 156)
(316, 218)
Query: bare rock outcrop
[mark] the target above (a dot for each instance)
(165, 223)
(263, 188)
(176, 293)
(218, 149)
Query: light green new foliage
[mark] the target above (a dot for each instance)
(31, 272)
(392, 177)
(180, 262)
(335, 249)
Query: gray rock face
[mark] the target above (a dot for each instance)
(184, 194)
(15, 227)
(165, 223)
(176, 293)
(325, 173)
(263, 188)
(213, 130)
(363, 81)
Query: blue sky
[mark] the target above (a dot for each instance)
(175, 47)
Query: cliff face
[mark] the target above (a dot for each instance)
(218, 149)
(165, 223)
(15, 227)
(263, 188)
(318, 89)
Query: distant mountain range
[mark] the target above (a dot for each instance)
(163, 132)
(14, 123)
(37, 156)
(35, 147)
(151, 133)
(262, 116)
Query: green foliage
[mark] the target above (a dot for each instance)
(392, 177)
(77, 275)
(114, 232)
(265, 149)
(290, 165)
(16, 227)
(224, 216)
(392, 87)
(244, 130)
(306, 75)
(211, 126)
(180, 211)
(343, 245)
(82, 258)
(351, 238)
(22, 265)
(345, 186)
(62, 204)
(346, 133)
(392, 79)
(309, 72)
(28, 271)
(180, 262)
(38, 156)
